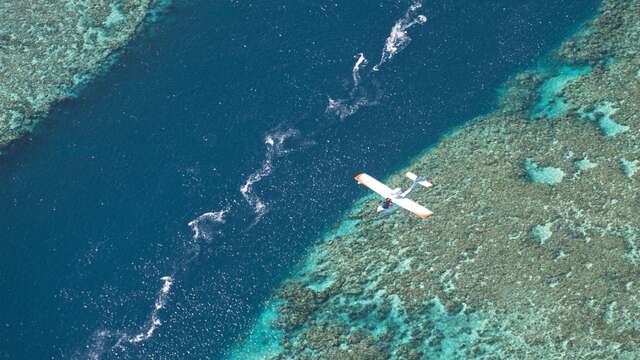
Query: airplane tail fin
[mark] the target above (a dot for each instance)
(415, 178)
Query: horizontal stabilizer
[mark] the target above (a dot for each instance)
(414, 177)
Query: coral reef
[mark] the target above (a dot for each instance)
(49, 49)
(509, 267)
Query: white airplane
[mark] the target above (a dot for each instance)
(396, 196)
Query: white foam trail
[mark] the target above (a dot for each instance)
(154, 318)
(107, 340)
(343, 108)
(397, 40)
(398, 37)
(358, 98)
(361, 62)
(203, 226)
(100, 340)
(275, 148)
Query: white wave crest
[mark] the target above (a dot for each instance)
(154, 318)
(205, 225)
(360, 63)
(344, 108)
(100, 341)
(398, 37)
(358, 96)
(107, 340)
(275, 148)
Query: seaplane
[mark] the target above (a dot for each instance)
(394, 198)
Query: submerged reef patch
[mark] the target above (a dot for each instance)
(542, 233)
(585, 164)
(603, 115)
(470, 283)
(630, 168)
(551, 103)
(50, 49)
(545, 175)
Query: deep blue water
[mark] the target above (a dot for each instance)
(98, 199)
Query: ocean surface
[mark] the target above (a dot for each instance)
(152, 215)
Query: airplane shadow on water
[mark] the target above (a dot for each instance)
(229, 113)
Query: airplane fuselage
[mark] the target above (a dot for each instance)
(386, 211)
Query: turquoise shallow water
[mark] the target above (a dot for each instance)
(100, 195)
(550, 104)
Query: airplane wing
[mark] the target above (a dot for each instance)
(375, 185)
(384, 191)
(414, 207)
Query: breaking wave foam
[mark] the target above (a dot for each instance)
(106, 340)
(358, 96)
(204, 227)
(398, 37)
(100, 340)
(275, 148)
(154, 319)
(397, 40)
(343, 108)
(361, 62)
